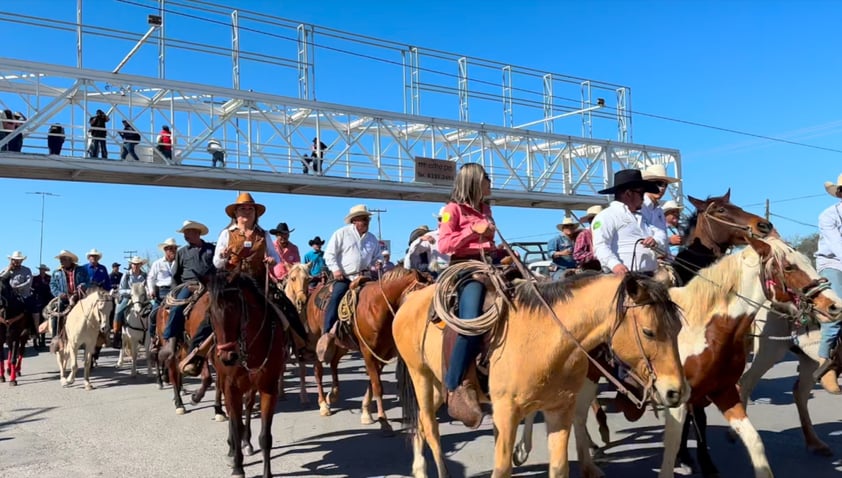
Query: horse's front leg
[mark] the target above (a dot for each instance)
(267, 413)
(175, 380)
(584, 400)
(2, 361)
(234, 405)
(672, 437)
(333, 396)
(14, 353)
(318, 371)
(732, 408)
(506, 419)
(302, 379)
(199, 394)
(73, 365)
(700, 419)
(250, 399)
(89, 359)
(558, 437)
(377, 393)
(133, 349)
(801, 391)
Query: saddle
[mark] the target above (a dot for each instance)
(343, 329)
(196, 289)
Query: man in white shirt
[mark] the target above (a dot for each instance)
(651, 210)
(621, 237)
(350, 253)
(829, 266)
(423, 252)
(20, 280)
(159, 282)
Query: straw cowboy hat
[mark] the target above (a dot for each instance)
(137, 260)
(316, 240)
(169, 242)
(65, 253)
(657, 172)
(440, 213)
(591, 213)
(281, 229)
(43, 267)
(188, 224)
(671, 206)
(244, 198)
(831, 188)
(630, 179)
(18, 256)
(357, 211)
(94, 252)
(418, 232)
(568, 221)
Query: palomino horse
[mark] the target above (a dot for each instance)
(777, 335)
(85, 322)
(719, 306)
(250, 356)
(135, 332)
(297, 289)
(371, 325)
(167, 363)
(632, 314)
(13, 332)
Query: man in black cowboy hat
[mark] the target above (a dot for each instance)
(287, 250)
(621, 236)
(317, 257)
(116, 276)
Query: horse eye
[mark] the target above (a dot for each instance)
(721, 210)
(789, 268)
(648, 334)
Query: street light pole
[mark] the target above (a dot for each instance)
(43, 197)
(379, 231)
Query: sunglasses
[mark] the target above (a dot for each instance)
(661, 185)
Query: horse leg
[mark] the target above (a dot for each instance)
(584, 402)
(302, 377)
(558, 438)
(675, 418)
(700, 418)
(218, 410)
(246, 444)
(73, 351)
(199, 394)
(732, 408)
(430, 400)
(2, 362)
(13, 355)
(365, 414)
(89, 359)
(333, 396)
(524, 446)
(175, 380)
(684, 461)
(20, 350)
(133, 346)
(267, 413)
(506, 420)
(801, 392)
(602, 421)
(234, 405)
(377, 391)
(318, 371)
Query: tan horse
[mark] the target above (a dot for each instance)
(297, 289)
(85, 322)
(633, 315)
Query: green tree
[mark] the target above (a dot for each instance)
(807, 245)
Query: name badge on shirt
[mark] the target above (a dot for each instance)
(247, 244)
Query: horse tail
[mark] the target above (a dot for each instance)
(406, 395)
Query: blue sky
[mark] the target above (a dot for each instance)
(767, 67)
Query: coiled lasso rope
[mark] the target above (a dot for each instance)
(444, 298)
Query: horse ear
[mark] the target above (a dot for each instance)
(635, 290)
(727, 196)
(763, 248)
(697, 203)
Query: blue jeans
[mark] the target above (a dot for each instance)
(120, 311)
(830, 332)
(471, 297)
(175, 324)
(340, 287)
(153, 314)
(128, 150)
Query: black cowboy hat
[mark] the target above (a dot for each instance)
(281, 229)
(116, 264)
(629, 179)
(316, 240)
(418, 232)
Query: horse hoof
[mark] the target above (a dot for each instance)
(366, 419)
(520, 455)
(333, 397)
(89, 386)
(248, 450)
(220, 418)
(684, 470)
(195, 400)
(229, 460)
(324, 409)
(179, 410)
(385, 427)
(13, 383)
(2, 379)
(820, 450)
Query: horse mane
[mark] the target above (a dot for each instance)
(552, 292)
(300, 266)
(395, 273)
(666, 313)
(720, 279)
(690, 226)
(221, 280)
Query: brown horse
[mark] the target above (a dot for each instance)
(250, 355)
(13, 332)
(632, 314)
(167, 363)
(372, 331)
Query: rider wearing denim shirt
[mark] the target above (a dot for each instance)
(829, 265)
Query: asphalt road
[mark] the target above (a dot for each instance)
(127, 427)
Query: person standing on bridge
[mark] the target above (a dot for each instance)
(164, 143)
(217, 153)
(829, 265)
(98, 132)
(131, 138)
(316, 157)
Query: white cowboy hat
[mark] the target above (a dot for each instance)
(831, 187)
(188, 224)
(167, 243)
(137, 260)
(66, 253)
(93, 252)
(357, 211)
(591, 213)
(657, 172)
(439, 214)
(671, 205)
(18, 256)
(568, 221)
(385, 253)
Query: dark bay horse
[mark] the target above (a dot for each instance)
(13, 332)
(372, 330)
(250, 355)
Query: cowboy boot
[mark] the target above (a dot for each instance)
(463, 405)
(117, 338)
(326, 348)
(828, 377)
(193, 362)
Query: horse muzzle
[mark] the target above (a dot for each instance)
(671, 394)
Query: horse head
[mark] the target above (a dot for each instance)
(717, 224)
(97, 305)
(645, 337)
(297, 284)
(792, 284)
(232, 298)
(138, 293)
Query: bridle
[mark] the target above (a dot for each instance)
(773, 275)
(707, 214)
(240, 343)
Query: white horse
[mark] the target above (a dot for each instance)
(135, 332)
(775, 336)
(85, 322)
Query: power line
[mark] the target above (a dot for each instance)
(793, 220)
(775, 201)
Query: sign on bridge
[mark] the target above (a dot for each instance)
(434, 171)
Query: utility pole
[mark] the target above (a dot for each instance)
(43, 196)
(379, 231)
(768, 211)
(129, 254)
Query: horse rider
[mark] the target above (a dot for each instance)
(193, 262)
(116, 276)
(560, 246)
(829, 265)
(134, 276)
(97, 273)
(621, 236)
(672, 215)
(43, 295)
(422, 241)
(68, 284)
(287, 251)
(349, 254)
(583, 252)
(20, 280)
(316, 257)
(244, 245)
(159, 284)
(651, 210)
(467, 233)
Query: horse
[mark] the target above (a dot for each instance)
(85, 322)
(250, 355)
(718, 307)
(564, 320)
(167, 363)
(297, 289)
(371, 327)
(13, 332)
(135, 331)
(776, 335)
